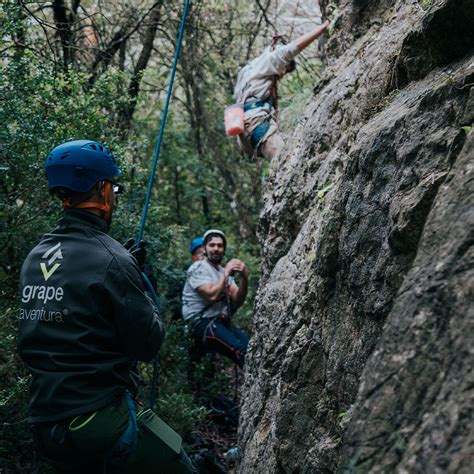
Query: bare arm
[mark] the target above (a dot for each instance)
(213, 291)
(239, 293)
(303, 41)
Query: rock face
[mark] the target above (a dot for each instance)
(362, 355)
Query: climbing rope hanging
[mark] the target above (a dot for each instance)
(276, 36)
(163, 124)
(290, 34)
(154, 383)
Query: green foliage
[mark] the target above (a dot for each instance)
(296, 91)
(39, 108)
(12, 394)
(202, 181)
(179, 407)
(334, 15)
(176, 402)
(322, 192)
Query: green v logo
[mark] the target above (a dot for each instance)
(47, 273)
(52, 255)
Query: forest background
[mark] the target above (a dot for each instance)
(100, 69)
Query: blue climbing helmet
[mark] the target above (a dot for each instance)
(78, 165)
(195, 243)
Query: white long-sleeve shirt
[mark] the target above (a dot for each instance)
(256, 78)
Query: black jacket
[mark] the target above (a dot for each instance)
(84, 319)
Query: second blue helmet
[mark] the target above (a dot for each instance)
(195, 243)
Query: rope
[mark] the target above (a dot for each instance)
(141, 230)
(156, 359)
(276, 36)
(276, 15)
(163, 123)
(294, 18)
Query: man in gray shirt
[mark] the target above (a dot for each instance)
(255, 89)
(210, 296)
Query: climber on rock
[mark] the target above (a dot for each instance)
(211, 296)
(256, 91)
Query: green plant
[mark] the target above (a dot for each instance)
(323, 191)
(201, 180)
(334, 15)
(425, 4)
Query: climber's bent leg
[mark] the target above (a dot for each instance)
(271, 146)
(228, 340)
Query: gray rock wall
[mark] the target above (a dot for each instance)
(361, 359)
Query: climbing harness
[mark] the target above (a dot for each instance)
(258, 133)
(127, 443)
(120, 452)
(254, 103)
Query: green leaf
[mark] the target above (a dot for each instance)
(322, 192)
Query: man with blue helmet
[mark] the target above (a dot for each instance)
(84, 321)
(196, 248)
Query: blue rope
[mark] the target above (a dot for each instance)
(163, 123)
(156, 359)
(153, 294)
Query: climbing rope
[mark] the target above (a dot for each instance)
(290, 34)
(276, 15)
(163, 124)
(156, 359)
(159, 141)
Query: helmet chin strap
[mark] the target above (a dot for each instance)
(106, 208)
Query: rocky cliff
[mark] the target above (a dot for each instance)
(362, 355)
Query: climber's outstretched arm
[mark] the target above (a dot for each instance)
(303, 41)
